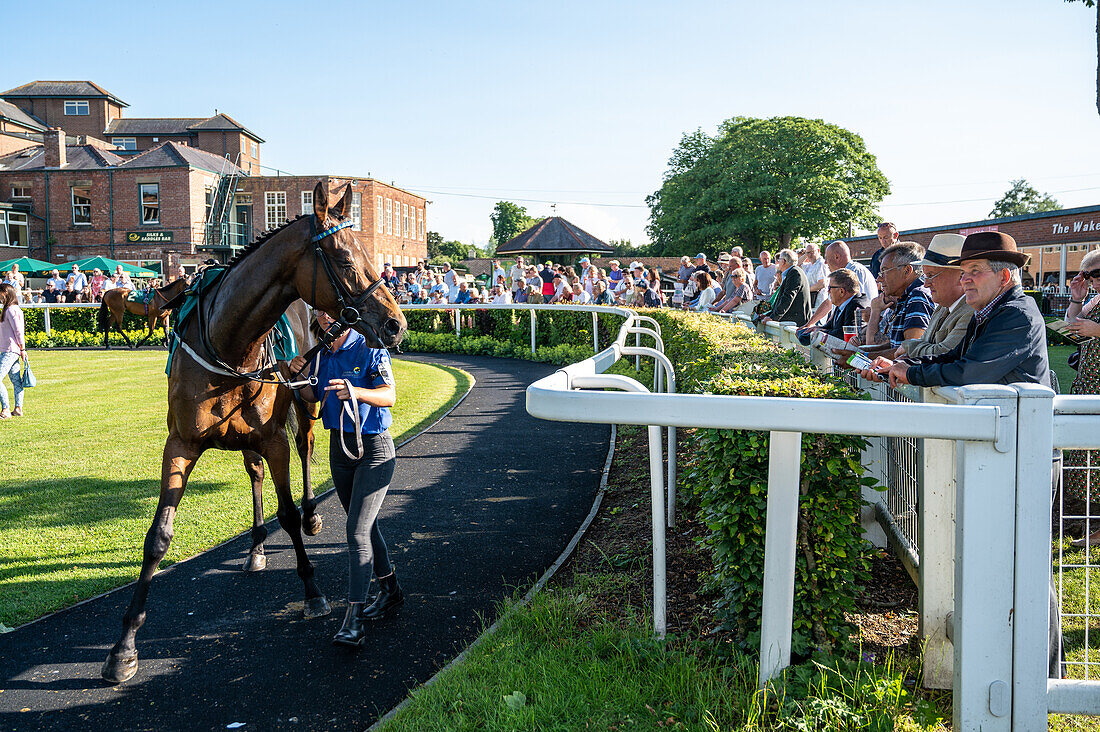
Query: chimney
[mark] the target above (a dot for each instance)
(54, 141)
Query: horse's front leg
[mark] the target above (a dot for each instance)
(303, 441)
(277, 453)
(254, 466)
(143, 341)
(179, 459)
(125, 337)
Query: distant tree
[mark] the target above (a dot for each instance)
(761, 183)
(1092, 4)
(454, 251)
(624, 248)
(434, 239)
(1022, 199)
(509, 219)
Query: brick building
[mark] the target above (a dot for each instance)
(79, 179)
(392, 221)
(1056, 240)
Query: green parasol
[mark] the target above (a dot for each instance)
(107, 266)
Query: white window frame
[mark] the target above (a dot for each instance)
(274, 209)
(389, 216)
(146, 218)
(126, 143)
(73, 108)
(20, 191)
(420, 214)
(15, 219)
(307, 203)
(405, 220)
(85, 209)
(357, 211)
(379, 215)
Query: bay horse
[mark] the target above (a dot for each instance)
(116, 304)
(224, 392)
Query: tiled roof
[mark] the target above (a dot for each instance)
(221, 122)
(151, 125)
(77, 157)
(553, 234)
(19, 117)
(173, 154)
(63, 89)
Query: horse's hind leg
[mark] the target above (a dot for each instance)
(179, 459)
(303, 440)
(277, 454)
(254, 466)
(148, 335)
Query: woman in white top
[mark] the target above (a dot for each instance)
(13, 346)
(705, 286)
(502, 296)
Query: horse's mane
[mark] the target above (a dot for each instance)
(259, 241)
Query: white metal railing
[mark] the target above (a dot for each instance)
(1002, 439)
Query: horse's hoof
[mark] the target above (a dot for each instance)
(116, 670)
(255, 562)
(313, 525)
(316, 607)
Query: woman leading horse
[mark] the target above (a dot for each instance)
(223, 387)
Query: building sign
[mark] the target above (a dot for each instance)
(1075, 227)
(149, 237)
(976, 230)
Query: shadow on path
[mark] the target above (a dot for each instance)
(483, 502)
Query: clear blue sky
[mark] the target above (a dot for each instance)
(582, 102)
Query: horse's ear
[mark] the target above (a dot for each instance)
(320, 202)
(343, 208)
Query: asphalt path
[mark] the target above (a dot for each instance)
(480, 504)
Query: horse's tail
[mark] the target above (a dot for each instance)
(103, 317)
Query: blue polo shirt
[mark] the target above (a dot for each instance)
(364, 367)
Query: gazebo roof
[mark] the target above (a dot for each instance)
(554, 235)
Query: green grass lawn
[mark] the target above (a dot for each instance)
(1058, 355)
(80, 474)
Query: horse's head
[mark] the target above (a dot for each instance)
(340, 277)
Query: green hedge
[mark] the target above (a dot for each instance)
(74, 319)
(70, 338)
(726, 471)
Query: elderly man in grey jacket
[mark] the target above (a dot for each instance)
(953, 314)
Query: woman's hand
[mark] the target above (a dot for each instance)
(1085, 328)
(1078, 287)
(297, 365)
(340, 386)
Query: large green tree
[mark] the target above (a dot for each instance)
(1022, 199)
(762, 182)
(509, 219)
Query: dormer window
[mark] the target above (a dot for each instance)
(78, 107)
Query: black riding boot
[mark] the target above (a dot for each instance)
(351, 633)
(390, 597)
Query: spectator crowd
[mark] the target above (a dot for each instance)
(75, 286)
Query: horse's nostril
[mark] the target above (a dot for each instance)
(393, 327)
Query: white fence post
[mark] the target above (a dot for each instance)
(595, 334)
(532, 330)
(985, 547)
(780, 539)
(936, 539)
(1034, 450)
(46, 319)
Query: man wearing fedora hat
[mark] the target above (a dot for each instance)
(953, 314)
(1006, 342)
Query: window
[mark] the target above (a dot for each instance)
(389, 216)
(405, 220)
(76, 108)
(82, 205)
(420, 215)
(20, 190)
(274, 209)
(126, 143)
(357, 211)
(307, 202)
(379, 222)
(15, 233)
(150, 203)
(209, 203)
(381, 260)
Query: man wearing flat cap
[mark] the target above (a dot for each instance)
(1005, 343)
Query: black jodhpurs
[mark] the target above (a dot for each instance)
(361, 486)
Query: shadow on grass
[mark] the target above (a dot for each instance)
(88, 500)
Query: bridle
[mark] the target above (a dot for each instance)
(350, 314)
